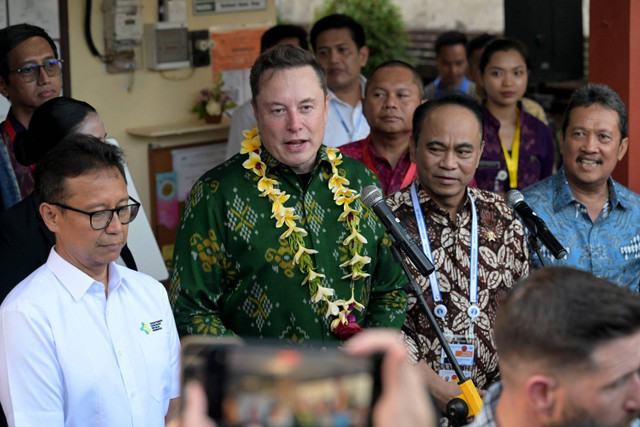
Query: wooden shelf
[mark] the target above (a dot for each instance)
(182, 133)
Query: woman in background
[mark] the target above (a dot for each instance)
(521, 144)
(25, 241)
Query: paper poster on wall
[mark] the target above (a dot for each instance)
(191, 163)
(43, 13)
(167, 199)
(235, 49)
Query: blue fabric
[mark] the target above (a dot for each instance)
(9, 190)
(608, 247)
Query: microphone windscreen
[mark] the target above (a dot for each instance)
(370, 195)
(513, 197)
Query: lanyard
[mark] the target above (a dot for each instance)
(512, 159)
(368, 161)
(8, 128)
(426, 248)
(463, 89)
(344, 122)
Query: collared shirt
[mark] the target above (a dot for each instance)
(536, 158)
(486, 416)
(345, 123)
(233, 274)
(16, 181)
(431, 91)
(71, 356)
(391, 179)
(608, 247)
(503, 259)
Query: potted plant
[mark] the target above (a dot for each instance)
(213, 102)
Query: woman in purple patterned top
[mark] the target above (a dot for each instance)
(519, 143)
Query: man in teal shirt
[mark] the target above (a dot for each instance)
(275, 243)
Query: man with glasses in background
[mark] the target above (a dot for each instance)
(83, 339)
(29, 75)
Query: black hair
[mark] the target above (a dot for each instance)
(75, 155)
(598, 94)
(338, 21)
(559, 315)
(461, 100)
(12, 36)
(503, 45)
(273, 35)
(400, 64)
(450, 38)
(478, 42)
(52, 121)
(283, 57)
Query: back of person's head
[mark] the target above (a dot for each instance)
(450, 38)
(283, 57)
(503, 45)
(274, 35)
(395, 63)
(477, 43)
(77, 154)
(52, 121)
(335, 22)
(12, 36)
(600, 94)
(557, 317)
(460, 100)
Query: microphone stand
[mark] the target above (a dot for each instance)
(469, 402)
(534, 244)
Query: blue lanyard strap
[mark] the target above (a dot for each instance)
(463, 89)
(426, 248)
(351, 134)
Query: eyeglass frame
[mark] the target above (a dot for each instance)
(21, 70)
(135, 203)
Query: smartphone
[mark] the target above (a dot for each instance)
(268, 384)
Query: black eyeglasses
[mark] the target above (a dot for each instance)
(100, 220)
(30, 73)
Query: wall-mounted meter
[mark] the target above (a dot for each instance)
(122, 34)
(167, 45)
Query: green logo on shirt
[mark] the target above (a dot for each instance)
(145, 328)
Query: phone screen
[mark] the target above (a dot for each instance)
(270, 385)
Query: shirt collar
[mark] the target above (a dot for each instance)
(74, 280)
(334, 97)
(424, 197)
(17, 126)
(562, 194)
(274, 165)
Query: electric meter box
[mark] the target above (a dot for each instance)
(167, 45)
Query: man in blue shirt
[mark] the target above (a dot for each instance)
(594, 217)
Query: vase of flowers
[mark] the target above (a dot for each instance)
(213, 102)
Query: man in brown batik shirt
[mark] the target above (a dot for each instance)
(447, 145)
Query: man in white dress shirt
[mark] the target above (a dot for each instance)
(339, 44)
(84, 341)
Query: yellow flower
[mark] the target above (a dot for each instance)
(355, 235)
(332, 153)
(342, 318)
(352, 300)
(302, 250)
(251, 134)
(255, 164)
(322, 294)
(294, 229)
(337, 181)
(332, 309)
(348, 210)
(266, 186)
(277, 200)
(285, 216)
(356, 259)
(312, 276)
(355, 275)
(346, 198)
(250, 146)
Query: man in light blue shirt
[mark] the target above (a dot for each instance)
(594, 217)
(339, 44)
(84, 341)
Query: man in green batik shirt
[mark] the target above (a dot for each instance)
(275, 241)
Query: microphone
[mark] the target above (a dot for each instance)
(534, 223)
(372, 197)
